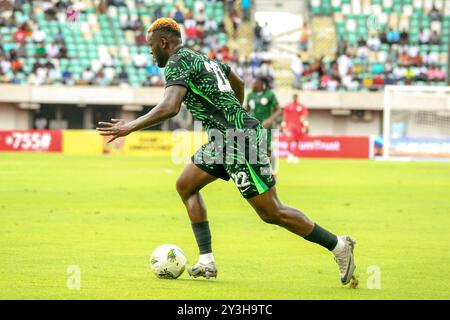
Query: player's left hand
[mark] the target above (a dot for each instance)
(116, 128)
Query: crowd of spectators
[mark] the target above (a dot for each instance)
(259, 62)
(202, 32)
(369, 65)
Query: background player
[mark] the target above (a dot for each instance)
(214, 94)
(295, 126)
(262, 103)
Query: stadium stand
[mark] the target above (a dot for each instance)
(99, 42)
(381, 42)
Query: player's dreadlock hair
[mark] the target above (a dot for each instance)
(166, 25)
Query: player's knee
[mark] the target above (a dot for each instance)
(182, 187)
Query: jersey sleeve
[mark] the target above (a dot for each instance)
(177, 72)
(273, 99)
(225, 68)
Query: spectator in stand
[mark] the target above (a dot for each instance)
(200, 17)
(3, 77)
(374, 42)
(404, 37)
(342, 46)
(422, 73)
(5, 65)
(435, 14)
(40, 51)
(178, 15)
(305, 34)
(21, 51)
(424, 36)
(344, 64)
(101, 79)
(266, 36)
(430, 58)
(16, 65)
(230, 5)
(88, 76)
(404, 59)
(12, 54)
(52, 50)
(297, 70)
(434, 73)
(383, 37)
(20, 34)
(49, 9)
(54, 75)
(393, 36)
(157, 13)
(63, 51)
(139, 60)
(393, 54)
(38, 35)
(435, 39)
(236, 21)
(117, 3)
(257, 31)
(210, 27)
(246, 7)
(140, 38)
(363, 51)
(122, 77)
(190, 26)
(68, 78)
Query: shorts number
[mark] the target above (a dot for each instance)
(240, 179)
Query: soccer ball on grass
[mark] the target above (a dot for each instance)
(168, 261)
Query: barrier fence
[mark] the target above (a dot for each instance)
(178, 144)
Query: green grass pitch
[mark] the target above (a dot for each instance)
(106, 215)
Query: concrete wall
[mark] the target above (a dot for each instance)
(323, 122)
(330, 112)
(12, 117)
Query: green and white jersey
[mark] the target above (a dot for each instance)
(209, 97)
(262, 104)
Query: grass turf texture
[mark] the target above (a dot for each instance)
(107, 214)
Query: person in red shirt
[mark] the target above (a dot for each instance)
(20, 36)
(294, 124)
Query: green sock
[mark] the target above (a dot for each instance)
(203, 236)
(322, 237)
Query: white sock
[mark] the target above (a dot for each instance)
(206, 258)
(340, 245)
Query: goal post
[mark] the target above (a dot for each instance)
(416, 122)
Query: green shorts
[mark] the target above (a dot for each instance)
(249, 167)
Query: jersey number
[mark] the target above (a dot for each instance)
(222, 81)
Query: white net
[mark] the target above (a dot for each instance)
(416, 122)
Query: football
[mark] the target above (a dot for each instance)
(168, 261)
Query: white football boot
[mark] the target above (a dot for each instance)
(346, 261)
(205, 270)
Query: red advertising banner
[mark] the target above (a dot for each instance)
(325, 147)
(31, 140)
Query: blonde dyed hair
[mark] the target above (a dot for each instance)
(164, 23)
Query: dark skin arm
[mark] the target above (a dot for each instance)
(237, 84)
(166, 109)
(276, 113)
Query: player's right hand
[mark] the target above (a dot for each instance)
(116, 128)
